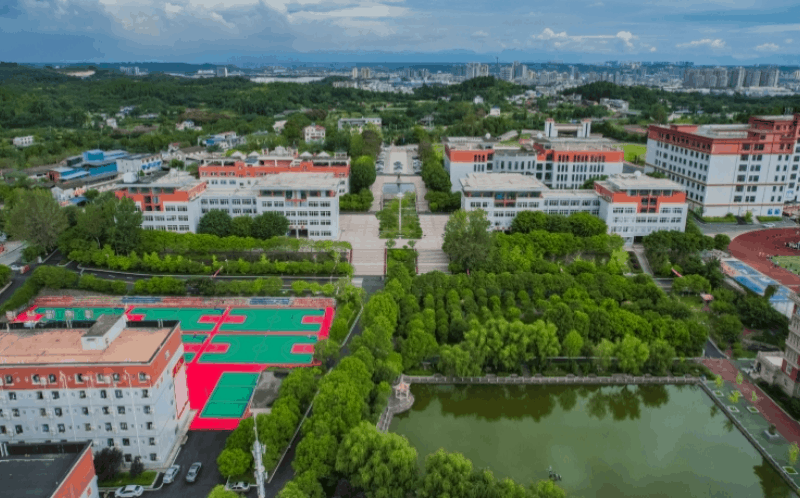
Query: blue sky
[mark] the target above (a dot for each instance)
(706, 32)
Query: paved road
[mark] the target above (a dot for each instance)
(733, 230)
(202, 446)
(711, 351)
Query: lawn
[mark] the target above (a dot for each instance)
(390, 214)
(789, 262)
(633, 150)
(768, 218)
(122, 479)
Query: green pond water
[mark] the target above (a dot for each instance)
(635, 441)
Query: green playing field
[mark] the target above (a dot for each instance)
(272, 320)
(230, 396)
(269, 349)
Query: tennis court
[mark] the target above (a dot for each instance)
(258, 349)
(231, 396)
(271, 320)
(192, 320)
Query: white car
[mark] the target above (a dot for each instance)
(240, 487)
(769, 224)
(171, 474)
(130, 491)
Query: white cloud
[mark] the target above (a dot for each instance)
(597, 4)
(767, 47)
(775, 28)
(480, 34)
(652, 49)
(788, 40)
(626, 38)
(714, 44)
(588, 43)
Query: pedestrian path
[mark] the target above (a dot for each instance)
(774, 414)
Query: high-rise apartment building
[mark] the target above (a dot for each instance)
(476, 70)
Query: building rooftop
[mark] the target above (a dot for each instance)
(736, 131)
(38, 470)
(173, 178)
(304, 180)
(52, 346)
(501, 182)
(582, 144)
(777, 118)
(140, 156)
(625, 182)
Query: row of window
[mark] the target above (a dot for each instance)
(168, 218)
(176, 208)
(40, 395)
(79, 378)
(108, 427)
(647, 220)
(168, 228)
(58, 412)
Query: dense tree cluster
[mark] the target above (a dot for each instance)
(262, 227)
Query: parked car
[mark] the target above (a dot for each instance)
(130, 491)
(240, 487)
(769, 224)
(171, 474)
(194, 471)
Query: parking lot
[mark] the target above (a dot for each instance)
(201, 446)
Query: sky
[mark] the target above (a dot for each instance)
(730, 32)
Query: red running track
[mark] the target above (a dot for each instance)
(748, 246)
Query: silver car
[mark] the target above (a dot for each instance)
(194, 471)
(171, 474)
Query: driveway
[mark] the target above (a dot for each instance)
(201, 446)
(734, 230)
(419, 188)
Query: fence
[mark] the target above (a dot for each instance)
(538, 379)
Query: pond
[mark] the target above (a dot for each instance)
(393, 188)
(634, 441)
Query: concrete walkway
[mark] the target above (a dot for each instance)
(640, 254)
(774, 414)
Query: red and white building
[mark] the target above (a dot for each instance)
(736, 169)
(228, 172)
(631, 205)
(314, 133)
(116, 385)
(561, 157)
(169, 203)
(789, 376)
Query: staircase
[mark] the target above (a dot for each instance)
(432, 260)
(368, 262)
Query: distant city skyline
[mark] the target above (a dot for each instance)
(729, 32)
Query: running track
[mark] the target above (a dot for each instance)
(746, 247)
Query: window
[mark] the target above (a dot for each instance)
(58, 412)
(153, 457)
(150, 426)
(39, 395)
(115, 377)
(85, 410)
(152, 442)
(105, 410)
(126, 442)
(118, 394)
(15, 412)
(45, 428)
(36, 379)
(120, 410)
(51, 378)
(79, 378)
(18, 429)
(145, 393)
(12, 396)
(109, 427)
(128, 457)
(62, 428)
(87, 427)
(55, 394)
(110, 443)
(147, 410)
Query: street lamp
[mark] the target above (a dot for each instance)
(400, 212)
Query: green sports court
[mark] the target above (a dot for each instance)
(259, 349)
(231, 395)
